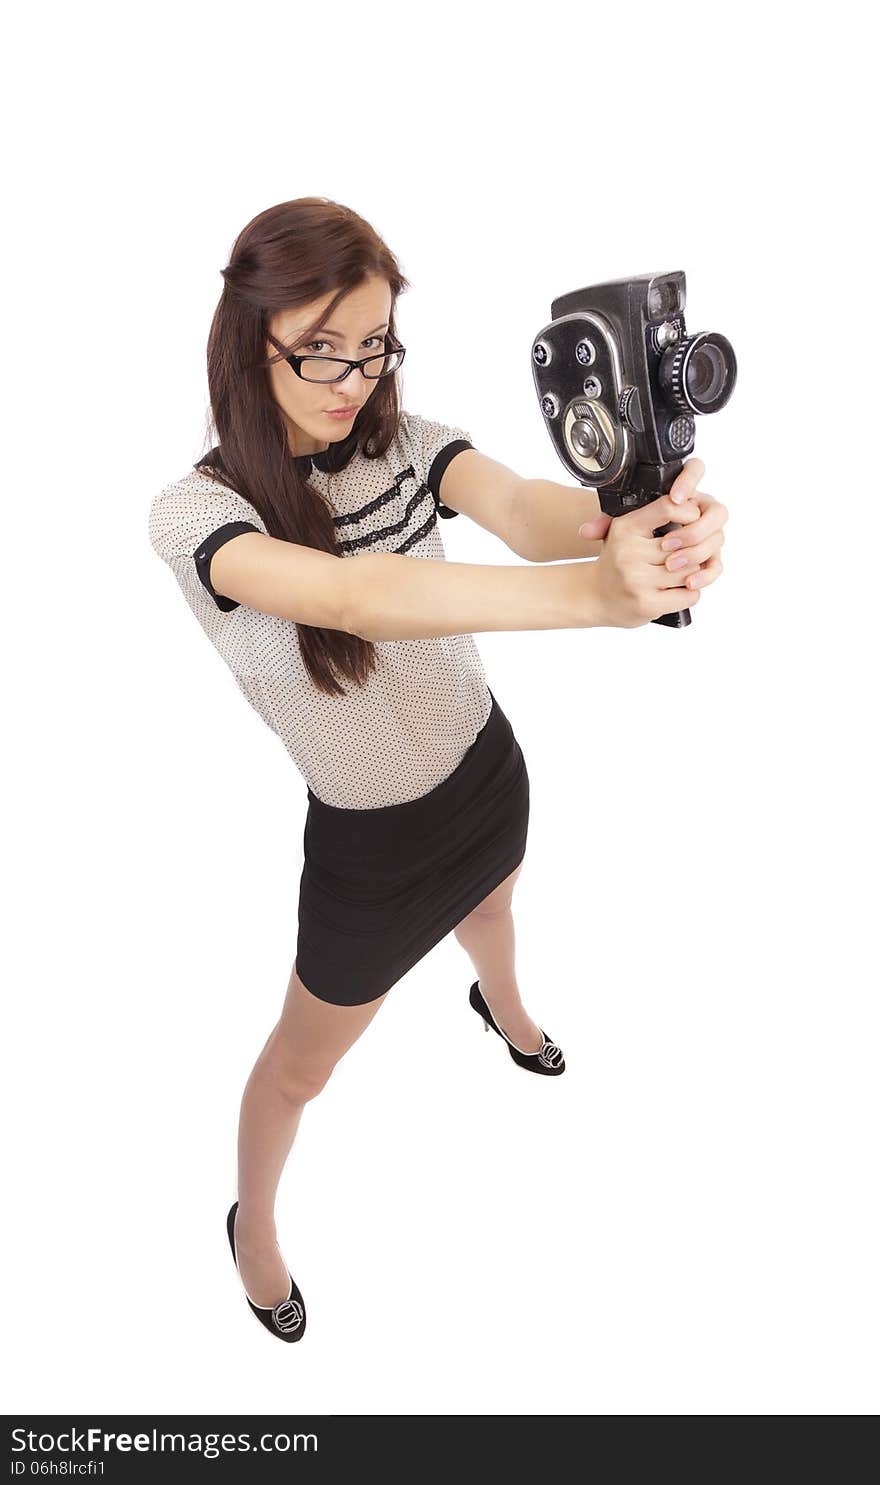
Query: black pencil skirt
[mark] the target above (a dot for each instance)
(382, 886)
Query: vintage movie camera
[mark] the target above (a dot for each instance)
(621, 383)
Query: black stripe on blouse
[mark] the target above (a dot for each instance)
(206, 551)
(438, 469)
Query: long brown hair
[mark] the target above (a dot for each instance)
(291, 254)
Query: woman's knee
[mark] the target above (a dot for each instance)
(297, 1076)
(310, 1039)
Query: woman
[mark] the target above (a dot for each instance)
(418, 795)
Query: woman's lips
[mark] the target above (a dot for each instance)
(342, 414)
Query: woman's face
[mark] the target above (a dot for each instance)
(358, 327)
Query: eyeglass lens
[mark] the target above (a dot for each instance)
(330, 369)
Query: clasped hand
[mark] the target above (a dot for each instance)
(689, 555)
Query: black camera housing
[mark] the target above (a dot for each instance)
(621, 383)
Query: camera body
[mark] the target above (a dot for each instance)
(621, 383)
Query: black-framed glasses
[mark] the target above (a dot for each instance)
(323, 368)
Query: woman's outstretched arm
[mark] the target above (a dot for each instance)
(537, 519)
(392, 596)
(544, 520)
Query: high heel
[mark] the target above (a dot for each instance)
(548, 1059)
(287, 1319)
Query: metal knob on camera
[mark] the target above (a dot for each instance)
(585, 439)
(590, 438)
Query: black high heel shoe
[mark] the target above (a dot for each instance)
(548, 1059)
(287, 1319)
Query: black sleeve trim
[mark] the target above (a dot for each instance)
(206, 551)
(438, 469)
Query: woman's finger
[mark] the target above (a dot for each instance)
(691, 557)
(688, 478)
(712, 517)
(706, 574)
(694, 562)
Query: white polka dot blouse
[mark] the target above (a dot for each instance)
(405, 730)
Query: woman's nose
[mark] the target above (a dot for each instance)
(353, 384)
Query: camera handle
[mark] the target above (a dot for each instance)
(668, 474)
(650, 481)
(681, 619)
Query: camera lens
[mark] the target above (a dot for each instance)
(706, 371)
(699, 374)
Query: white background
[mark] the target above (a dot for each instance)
(686, 1222)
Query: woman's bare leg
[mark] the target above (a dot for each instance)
(487, 934)
(295, 1063)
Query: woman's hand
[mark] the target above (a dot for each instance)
(692, 553)
(633, 581)
(688, 556)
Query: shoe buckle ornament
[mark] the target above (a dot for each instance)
(550, 1055)
(288, 1315)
